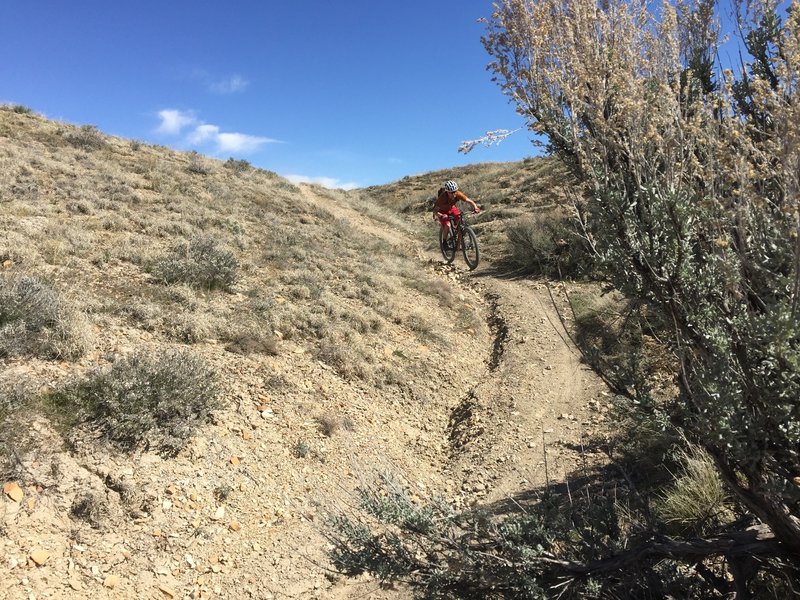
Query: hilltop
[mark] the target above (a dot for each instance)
(343, 347)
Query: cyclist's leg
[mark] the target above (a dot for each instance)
(456, 214)
(444, 225)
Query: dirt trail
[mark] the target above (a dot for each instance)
(524, 414)
(535, 405)
(523, 418)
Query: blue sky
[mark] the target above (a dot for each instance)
(349, 93)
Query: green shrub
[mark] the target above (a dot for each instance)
(511, 549)
(444, 554)
(34, 319)
(531, 245)
(301, 450)
(201, 263)
(547, 247)
(87, 137)
(700, 228)
(144, 400)
(21, 109)
(237, 166)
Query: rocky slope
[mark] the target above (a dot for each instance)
(381, 359)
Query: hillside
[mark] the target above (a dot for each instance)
(343, 348)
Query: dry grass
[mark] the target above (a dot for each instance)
(36, 320)
(16, 398)
(697, 500)
(142, 243)
(90, 507)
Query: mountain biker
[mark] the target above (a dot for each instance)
(445, 205)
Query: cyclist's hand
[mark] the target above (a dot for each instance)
(477, 209)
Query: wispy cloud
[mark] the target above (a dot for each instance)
(193, 132)
(241, 142)
(231, 85)
(328, 182)
(173, 121)
(202, 134)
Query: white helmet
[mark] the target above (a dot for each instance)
(450, 186)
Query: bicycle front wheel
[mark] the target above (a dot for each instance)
(469, 246)
(447, 245)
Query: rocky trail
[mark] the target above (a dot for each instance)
(524, 424)
(239, 513)
(525, 414)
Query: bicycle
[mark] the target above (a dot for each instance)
(464, 238)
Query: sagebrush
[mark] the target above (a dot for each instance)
(203, 263)
(37, 320)
(690, 179)
(144, 400)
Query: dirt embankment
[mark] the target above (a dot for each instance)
(238, 514)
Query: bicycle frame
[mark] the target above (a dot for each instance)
(460, 237)
(457, 226)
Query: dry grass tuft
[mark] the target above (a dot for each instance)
(16, 400)
(253, 342)
(697, 500)
(90, 507)
(37, 320)
(330, 424)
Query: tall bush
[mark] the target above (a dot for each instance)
(691, 203)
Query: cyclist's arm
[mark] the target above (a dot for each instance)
(472, 203)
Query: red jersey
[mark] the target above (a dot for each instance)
(444, 203)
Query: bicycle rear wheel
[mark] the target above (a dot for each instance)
(469, 246)
(447, 246)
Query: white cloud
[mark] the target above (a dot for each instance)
(173, 121)
(241, 142)
(232, 85)
(328, 182)
(203, 133)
